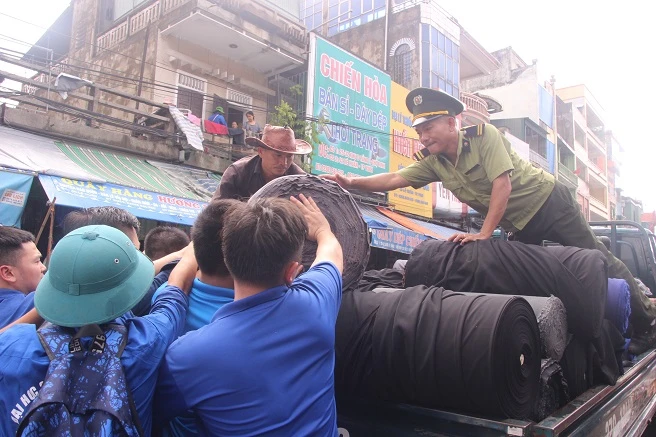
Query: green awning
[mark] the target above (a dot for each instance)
(134, 172)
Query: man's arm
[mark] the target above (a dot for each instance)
(184, 273)
(328, 248)
(501, 189)
(163, 261)
(380, 182)
(31, 317)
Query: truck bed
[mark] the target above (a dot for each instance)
(624, 409)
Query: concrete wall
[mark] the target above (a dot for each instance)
(367, 41)
(124, 60)
(514, 84)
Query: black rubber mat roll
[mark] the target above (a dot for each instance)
(506, 267)
(439, 349)
(342, 213)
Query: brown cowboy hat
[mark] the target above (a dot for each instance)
(280, 139)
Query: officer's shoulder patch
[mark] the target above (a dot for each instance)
(476, 130)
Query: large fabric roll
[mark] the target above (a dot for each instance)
(552, 321)
(342, 213)
(506, 267)
(618, 304)
(439, 349)
(554, 392)
(577, 367)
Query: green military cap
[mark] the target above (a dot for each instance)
(427, 104)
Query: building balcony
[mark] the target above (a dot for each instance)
(599, 207)
(478, 108)
(538, 160)
(252, 33)
(594, 140)
(475, 109)
(567, 176)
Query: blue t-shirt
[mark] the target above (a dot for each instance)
(217, 118)
(14, 305)
(204, 301)
(24, 363)
(263, 366)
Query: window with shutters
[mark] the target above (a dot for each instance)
(191, 94)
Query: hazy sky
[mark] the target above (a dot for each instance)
(579, 41)
(584, 41)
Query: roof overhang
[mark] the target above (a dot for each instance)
(232, 42)
(474, 59)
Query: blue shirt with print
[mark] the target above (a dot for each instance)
(24, 363)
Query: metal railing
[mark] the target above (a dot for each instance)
(567, 174)
(539, 160)
(476, 105)
(137, 22)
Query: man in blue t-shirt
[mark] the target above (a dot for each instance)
(103, 262)
(217, 116)
(212, 288)
(21, 270)
(265, 363)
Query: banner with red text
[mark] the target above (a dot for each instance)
(351, 98)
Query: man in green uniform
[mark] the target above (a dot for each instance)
(478, 165)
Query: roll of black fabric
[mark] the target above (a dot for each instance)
(507, 267)
(554, 392)
(439, 349)
(552, 321)
(577, 366)
(552, 324)
(342, 213)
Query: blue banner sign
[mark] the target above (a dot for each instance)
(395, 239)
(141, 203)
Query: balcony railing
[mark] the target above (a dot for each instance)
(539, 160)
(476, 106)
(568, 175)
(137, 22)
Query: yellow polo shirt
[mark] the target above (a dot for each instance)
(483, 157)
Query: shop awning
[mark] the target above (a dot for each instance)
(132, 172)
(387, 234)
(80, 177)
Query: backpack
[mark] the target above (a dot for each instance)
(85, 392)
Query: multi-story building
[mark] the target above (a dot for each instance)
(528, 106)
(417, 42)
(630, 209)
(583, 117)
(197, 54)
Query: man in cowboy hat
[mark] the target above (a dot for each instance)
(217, 116)
(478, 165)
(274, 159)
